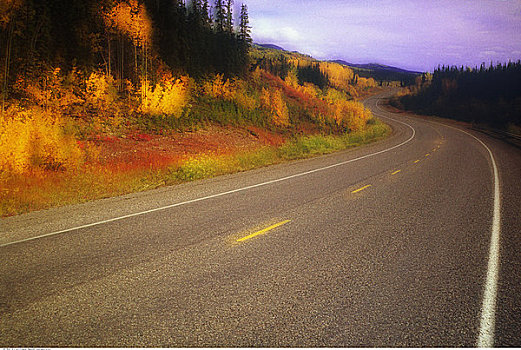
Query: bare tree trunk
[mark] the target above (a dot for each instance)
(136, 74)
(7, 63)
(108, 43)
(121, 62)
(146, 66)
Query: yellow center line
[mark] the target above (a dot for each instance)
(416, 161)
(361, 189)
(428, 154)
(261, 232)
(396, 172)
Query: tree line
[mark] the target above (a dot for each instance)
(129, 39)
(490, 95)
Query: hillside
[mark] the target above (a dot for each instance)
(125, 112)
(383, 74)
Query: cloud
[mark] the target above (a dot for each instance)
(401, 32)
(267, 29)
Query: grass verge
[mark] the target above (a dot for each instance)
(41, 190)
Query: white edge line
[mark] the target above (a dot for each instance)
(488, 307)
(217, 194)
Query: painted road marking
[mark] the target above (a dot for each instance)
(221, 194)
(416, 161)
(396, 172)
(488, 307)
(361, 189)
(428, 154)
(263, 231)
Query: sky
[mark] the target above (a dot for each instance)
(417, 35)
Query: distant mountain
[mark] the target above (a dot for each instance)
(379, 72)
(376, 66)
(271, 46)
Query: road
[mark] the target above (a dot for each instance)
(383, 245)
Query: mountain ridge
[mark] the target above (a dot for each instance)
(368, 66)
(376, 66)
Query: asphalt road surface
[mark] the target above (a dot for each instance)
(411, 241)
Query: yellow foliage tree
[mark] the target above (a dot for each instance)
(242, 97)
(53, 91)
(274, 102)
(230, 90)
(351, 115)
(101, 93)
(365, 83)
(36, 138)
(280, 109)
(310, 89)
(292, 79)
(168, 97)
(339, 76)
(131, 18)
(219, 88)
(7, 8)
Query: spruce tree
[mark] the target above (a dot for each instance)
(220, 16)
(205, 13)
(229, 16)
(244, 26)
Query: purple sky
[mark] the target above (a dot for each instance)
(412, 34)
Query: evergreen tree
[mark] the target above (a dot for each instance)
(220, 16)
(205, 14)
(244, 26)
(229, 16)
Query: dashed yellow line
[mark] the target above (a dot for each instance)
(261, 232)
(396, 172)
(361, 189)
(428, 154)
(416, 161)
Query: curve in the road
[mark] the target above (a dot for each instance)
(221, 193)
(488, 309)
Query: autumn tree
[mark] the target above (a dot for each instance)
(131, 18)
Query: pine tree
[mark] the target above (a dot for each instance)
(220, 16)
(244, 26)
(205, 13)
(229, 16)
